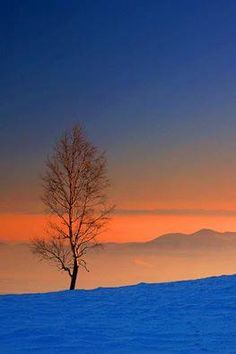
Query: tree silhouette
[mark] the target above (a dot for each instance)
(74, 191)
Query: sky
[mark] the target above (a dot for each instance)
(153, 83)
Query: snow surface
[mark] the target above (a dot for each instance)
(181, 317)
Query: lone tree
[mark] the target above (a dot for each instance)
(74, 191)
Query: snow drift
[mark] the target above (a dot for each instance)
(180, 317)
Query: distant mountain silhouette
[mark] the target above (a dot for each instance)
(168, 257)
(204, 239)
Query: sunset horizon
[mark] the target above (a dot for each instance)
(162, 109)
(122, 227)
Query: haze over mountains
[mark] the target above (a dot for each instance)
(200, 240)
(165, 258)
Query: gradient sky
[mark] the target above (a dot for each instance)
(153, 82)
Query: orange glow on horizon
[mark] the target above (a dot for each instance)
(128, 228)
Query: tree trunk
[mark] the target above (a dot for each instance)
(74, 276)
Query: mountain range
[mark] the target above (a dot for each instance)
(169, 257)
(202, 240)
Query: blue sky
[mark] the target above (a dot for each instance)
(153, 83)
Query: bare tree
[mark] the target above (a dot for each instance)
(74, 191)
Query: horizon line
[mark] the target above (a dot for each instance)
(155, 211)
(177, 212)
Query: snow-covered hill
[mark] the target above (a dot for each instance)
(181, 317)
